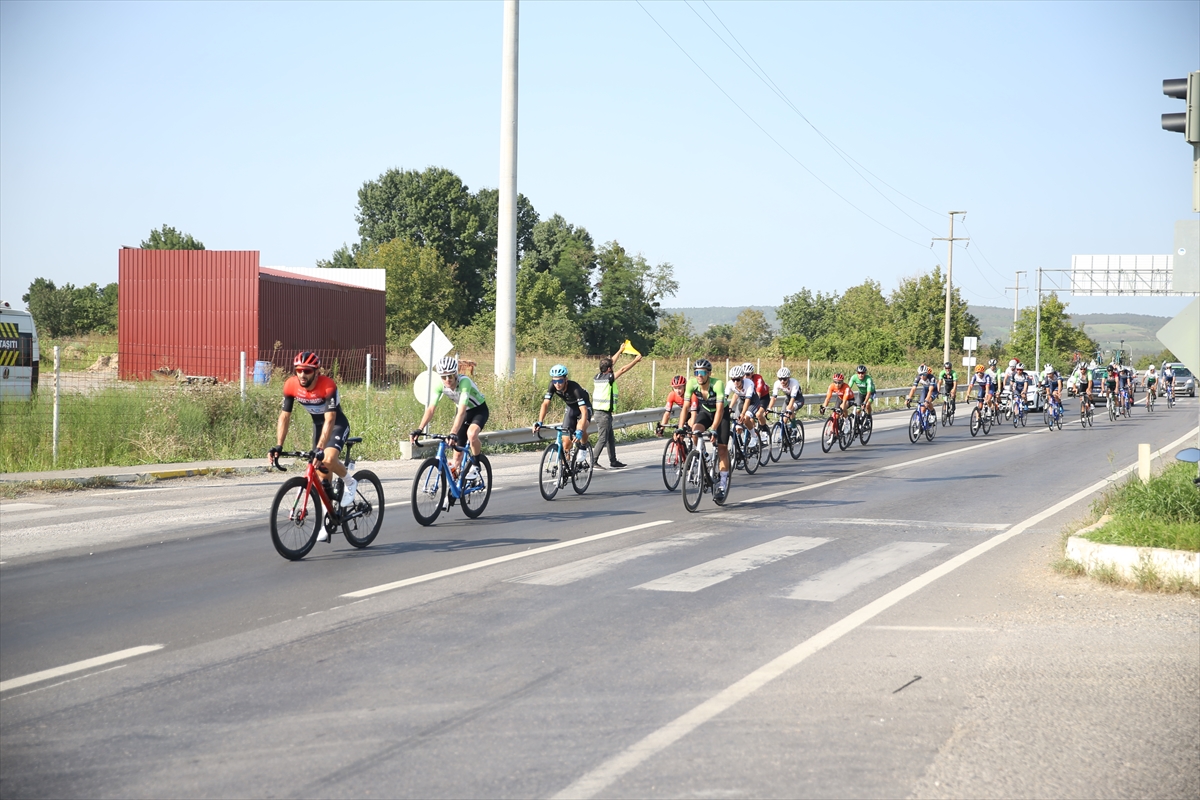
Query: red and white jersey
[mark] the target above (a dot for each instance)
(318, 399)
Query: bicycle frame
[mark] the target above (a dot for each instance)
(457, 488)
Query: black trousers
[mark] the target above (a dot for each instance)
(605, 437)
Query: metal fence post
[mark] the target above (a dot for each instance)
(653, 375)
(535, 368)
(243, 374)
(368, 370)
(54, 440)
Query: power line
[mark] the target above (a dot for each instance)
(982, 254)
(779, 92)
(769, 136)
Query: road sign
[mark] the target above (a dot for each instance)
(1182, 336)
(431, 344)
(968, 361)
(970, 343)
(423, 387)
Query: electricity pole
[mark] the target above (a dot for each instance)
(506, 236)
(949, 279)
(1016, 299)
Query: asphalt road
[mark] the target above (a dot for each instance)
(610, 644)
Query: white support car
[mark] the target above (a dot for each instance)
(18, 354)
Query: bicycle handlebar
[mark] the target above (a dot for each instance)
(307, 455)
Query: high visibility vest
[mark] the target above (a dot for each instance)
(604, 392)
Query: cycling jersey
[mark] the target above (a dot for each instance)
(1052, 384)
(698, 402)
(948, 377)
(790, 391)
(572, 394)
(927, 386)
(864, 385)
(757, 385)
(318, 400)
(674, 399)
(982, 383)
(466, 393)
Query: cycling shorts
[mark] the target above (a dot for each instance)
(926, 393)
(571, 418)
(705, 419)
(337, 436)
(860, 398)
(757, 401)
(474, 416)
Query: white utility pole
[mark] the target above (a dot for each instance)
(1037, 330)
(1016, 299)
(506, 238)
(949, 279)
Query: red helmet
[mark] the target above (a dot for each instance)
(678, 382)
(307, 359)
(838, 378)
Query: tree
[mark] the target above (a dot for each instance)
(863, 307)
(808, 315)
(628, 291)
(420, 285)
(715, 342)
(918, 309)
(342, 258)
(568, 252)
(675, 337)
(167, 238)
(67, 310)
(1060, 340)
(751, 332)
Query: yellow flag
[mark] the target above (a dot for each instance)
(630, 349)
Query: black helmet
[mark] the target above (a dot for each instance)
(702, 363)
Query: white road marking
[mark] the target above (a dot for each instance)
(61, 683)
(836, 583)
(603, 776)
(596, 565)
(431, 576)
(932, 628)
(10, 508)
(914, 523)
(78, 666)
(722, 569)
(51, 512)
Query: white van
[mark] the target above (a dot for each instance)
(18, 354)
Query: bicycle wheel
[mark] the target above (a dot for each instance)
(1047, 417)
(985, 420)
(796, 439)
(693, 480)
(366, 513)
(945, 413)
(751, 451)
(551, 472)
(581, 475)
(868, 425)
(428, 492)
(1058, 416)
(845, 432)
(778, 441)
(714, 478)
(1083, 417)
(672, 463)
(914, 428)
(1112, 411)
(295, 519)
(930, 428)
(475, 496)
(976, 421)
(828, 435)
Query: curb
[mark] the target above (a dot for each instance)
(137, 477)
(1129, 561)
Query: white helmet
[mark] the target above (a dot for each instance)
(1048, 368)
(748, 368)
(1012, 362)
(736, 372)
(447, 366)
(783, 374)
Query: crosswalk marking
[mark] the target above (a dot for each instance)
(596, 565)
(836, 583)
(915, 523)
(721, 569)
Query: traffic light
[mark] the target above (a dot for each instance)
(1188, 123)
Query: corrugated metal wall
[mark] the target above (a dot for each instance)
(195, 311)
(187, 310)
(340, 322)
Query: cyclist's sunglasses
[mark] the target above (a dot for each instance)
(303, 371)
(558, 380)
(700, 372)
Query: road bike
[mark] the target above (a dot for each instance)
(674, 454)
(1150, 392)
(438, 487)
(1171, 394)
(1053, 413)
(1126, 403)
(836, 429)
(747, 450)
(922, 422)
(1016, 410)
(981, 418)
(861, 423)
(558, 466)
(1085, 412)
(701, 474)
(948, 408)
(296, 511)
(1111, 405)
(787, 435)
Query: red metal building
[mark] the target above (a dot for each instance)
(196, 311)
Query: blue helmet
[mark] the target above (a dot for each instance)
(558, 371)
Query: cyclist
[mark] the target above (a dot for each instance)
(788, 388)
(1125, 387)
(757, 394)
(318, 394)
(1085, 388)
(927, 384)
(863, 386)
(674, 398)
(995, 379)
(839, 389)
(735, 395)
(1019, 382)
(469, 419)
(705, 409)
(579, 407)
(1151, 383)
(1168, 377)
(1053, 388)
(981, 386)
(1110, 383)
(948, 377)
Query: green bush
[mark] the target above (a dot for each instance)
(1162, 513)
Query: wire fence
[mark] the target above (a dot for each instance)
(85, 413)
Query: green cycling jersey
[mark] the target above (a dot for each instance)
(865, 384)
(466, 393)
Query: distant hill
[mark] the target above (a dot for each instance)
(702, 318)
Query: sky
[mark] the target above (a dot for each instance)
(757, 147)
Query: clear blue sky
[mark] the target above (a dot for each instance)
(252, 126)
